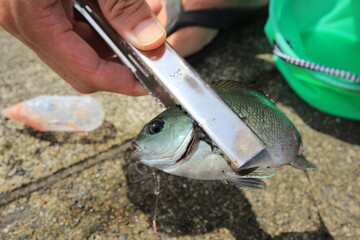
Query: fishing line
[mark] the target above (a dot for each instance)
(156, 180)
(197, 219)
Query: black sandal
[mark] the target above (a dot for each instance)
(219, 18)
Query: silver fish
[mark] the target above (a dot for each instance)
(172, 142)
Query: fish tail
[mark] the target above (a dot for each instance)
(247, 182)
(302, 163)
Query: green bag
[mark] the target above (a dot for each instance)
(317, 49)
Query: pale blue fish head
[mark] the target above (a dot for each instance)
(164, 140)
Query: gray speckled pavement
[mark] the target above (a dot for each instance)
(84, 186)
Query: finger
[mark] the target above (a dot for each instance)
(86, 32)
(155, 6)
(135, 22)
(6, 19)
(97, 74)
(89, 85)
(79, 64)
(200, 37)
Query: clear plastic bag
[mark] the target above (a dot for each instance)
(58, 113)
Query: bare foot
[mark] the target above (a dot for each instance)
(189, 40)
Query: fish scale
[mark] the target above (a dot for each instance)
(279, 134)
(265, 120)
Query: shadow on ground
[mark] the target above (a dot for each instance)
(107, 131)
(190, 207)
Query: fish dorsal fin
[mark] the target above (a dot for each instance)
(226, 85)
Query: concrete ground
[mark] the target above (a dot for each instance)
(84, 186)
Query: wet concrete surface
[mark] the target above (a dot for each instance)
(84, 185)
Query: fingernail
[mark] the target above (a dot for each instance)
(148, 34)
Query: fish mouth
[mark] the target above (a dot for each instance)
(134, 146)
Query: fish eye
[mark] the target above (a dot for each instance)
(155, 127)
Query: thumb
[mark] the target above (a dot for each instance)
(135, 22)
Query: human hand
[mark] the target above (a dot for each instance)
(65, 42)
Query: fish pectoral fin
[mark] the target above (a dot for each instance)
(302, 163)
(260, 172)
(252, 183)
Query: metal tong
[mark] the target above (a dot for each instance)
(171, 80)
